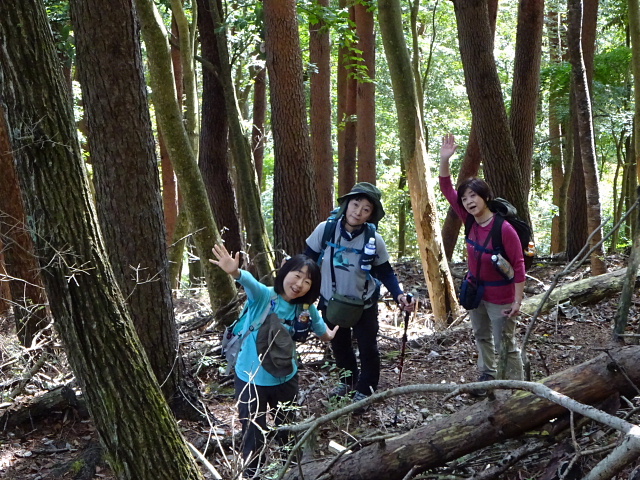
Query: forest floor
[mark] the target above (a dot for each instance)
(56, 446)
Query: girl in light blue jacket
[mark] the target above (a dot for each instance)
(262, 385)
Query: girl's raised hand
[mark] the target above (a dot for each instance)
(225, 261)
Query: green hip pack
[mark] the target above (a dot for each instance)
(344, 311)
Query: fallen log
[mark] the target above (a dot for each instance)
(58, 399)
(484, 423)
(582, 292)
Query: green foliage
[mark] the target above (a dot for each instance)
(446, 107)
(77, 466)
(60, 21)
(555, 79)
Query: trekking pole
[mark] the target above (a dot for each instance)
(404, 338)
(404, 345)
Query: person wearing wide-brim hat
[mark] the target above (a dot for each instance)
(351, 277)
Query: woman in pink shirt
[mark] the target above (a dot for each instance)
(494, 319)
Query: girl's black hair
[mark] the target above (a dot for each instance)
(296, 263)
(477, 185)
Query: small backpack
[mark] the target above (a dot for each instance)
(505, 211)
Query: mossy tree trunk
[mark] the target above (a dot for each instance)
(248, 187)
(194, 196)
(126, 178)
(135, 424)
(434, 263)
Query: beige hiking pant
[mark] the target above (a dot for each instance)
(493, 331)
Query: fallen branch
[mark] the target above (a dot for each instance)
(25, 380)
(483, 423)
(573, 265)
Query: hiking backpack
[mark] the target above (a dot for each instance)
(505, 211)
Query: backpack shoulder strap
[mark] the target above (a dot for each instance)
(468, 223)
(329, 231)
(370, 231)
(496, 234)
(259, 320)
(328, 234)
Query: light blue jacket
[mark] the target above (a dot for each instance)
(259, 296)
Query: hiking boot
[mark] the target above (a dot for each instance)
(485, 377)
(340, 390)
(358, 396)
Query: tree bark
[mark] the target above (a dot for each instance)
(248, 189)
(587, 291)
(577, 228)
(501, 168)
(214, 137)
(347, 122)
(622, 312)
(436, 270)
(585, 132)
(104, 351)
(558, 177)
(470, 164)
(170, 195)
(258, 134)
(295, 208)
(25, 283)
(526, 83)
(634, 34)
(484, 423)
(365, 104)
(320, 112)
(577, 231)
(186, 37)
(57, 400)
(205, 231)
(126, 177)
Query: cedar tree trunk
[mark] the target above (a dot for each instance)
(295, 209)
(25, 283)
(320, 112)
(366, 102)
(104, 351)
(585, 132)
(192, 190)
(501, 168)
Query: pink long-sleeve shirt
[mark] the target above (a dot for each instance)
(502, 294)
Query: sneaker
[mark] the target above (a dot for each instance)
(340, 390)
(485, 377)
(358, 396)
